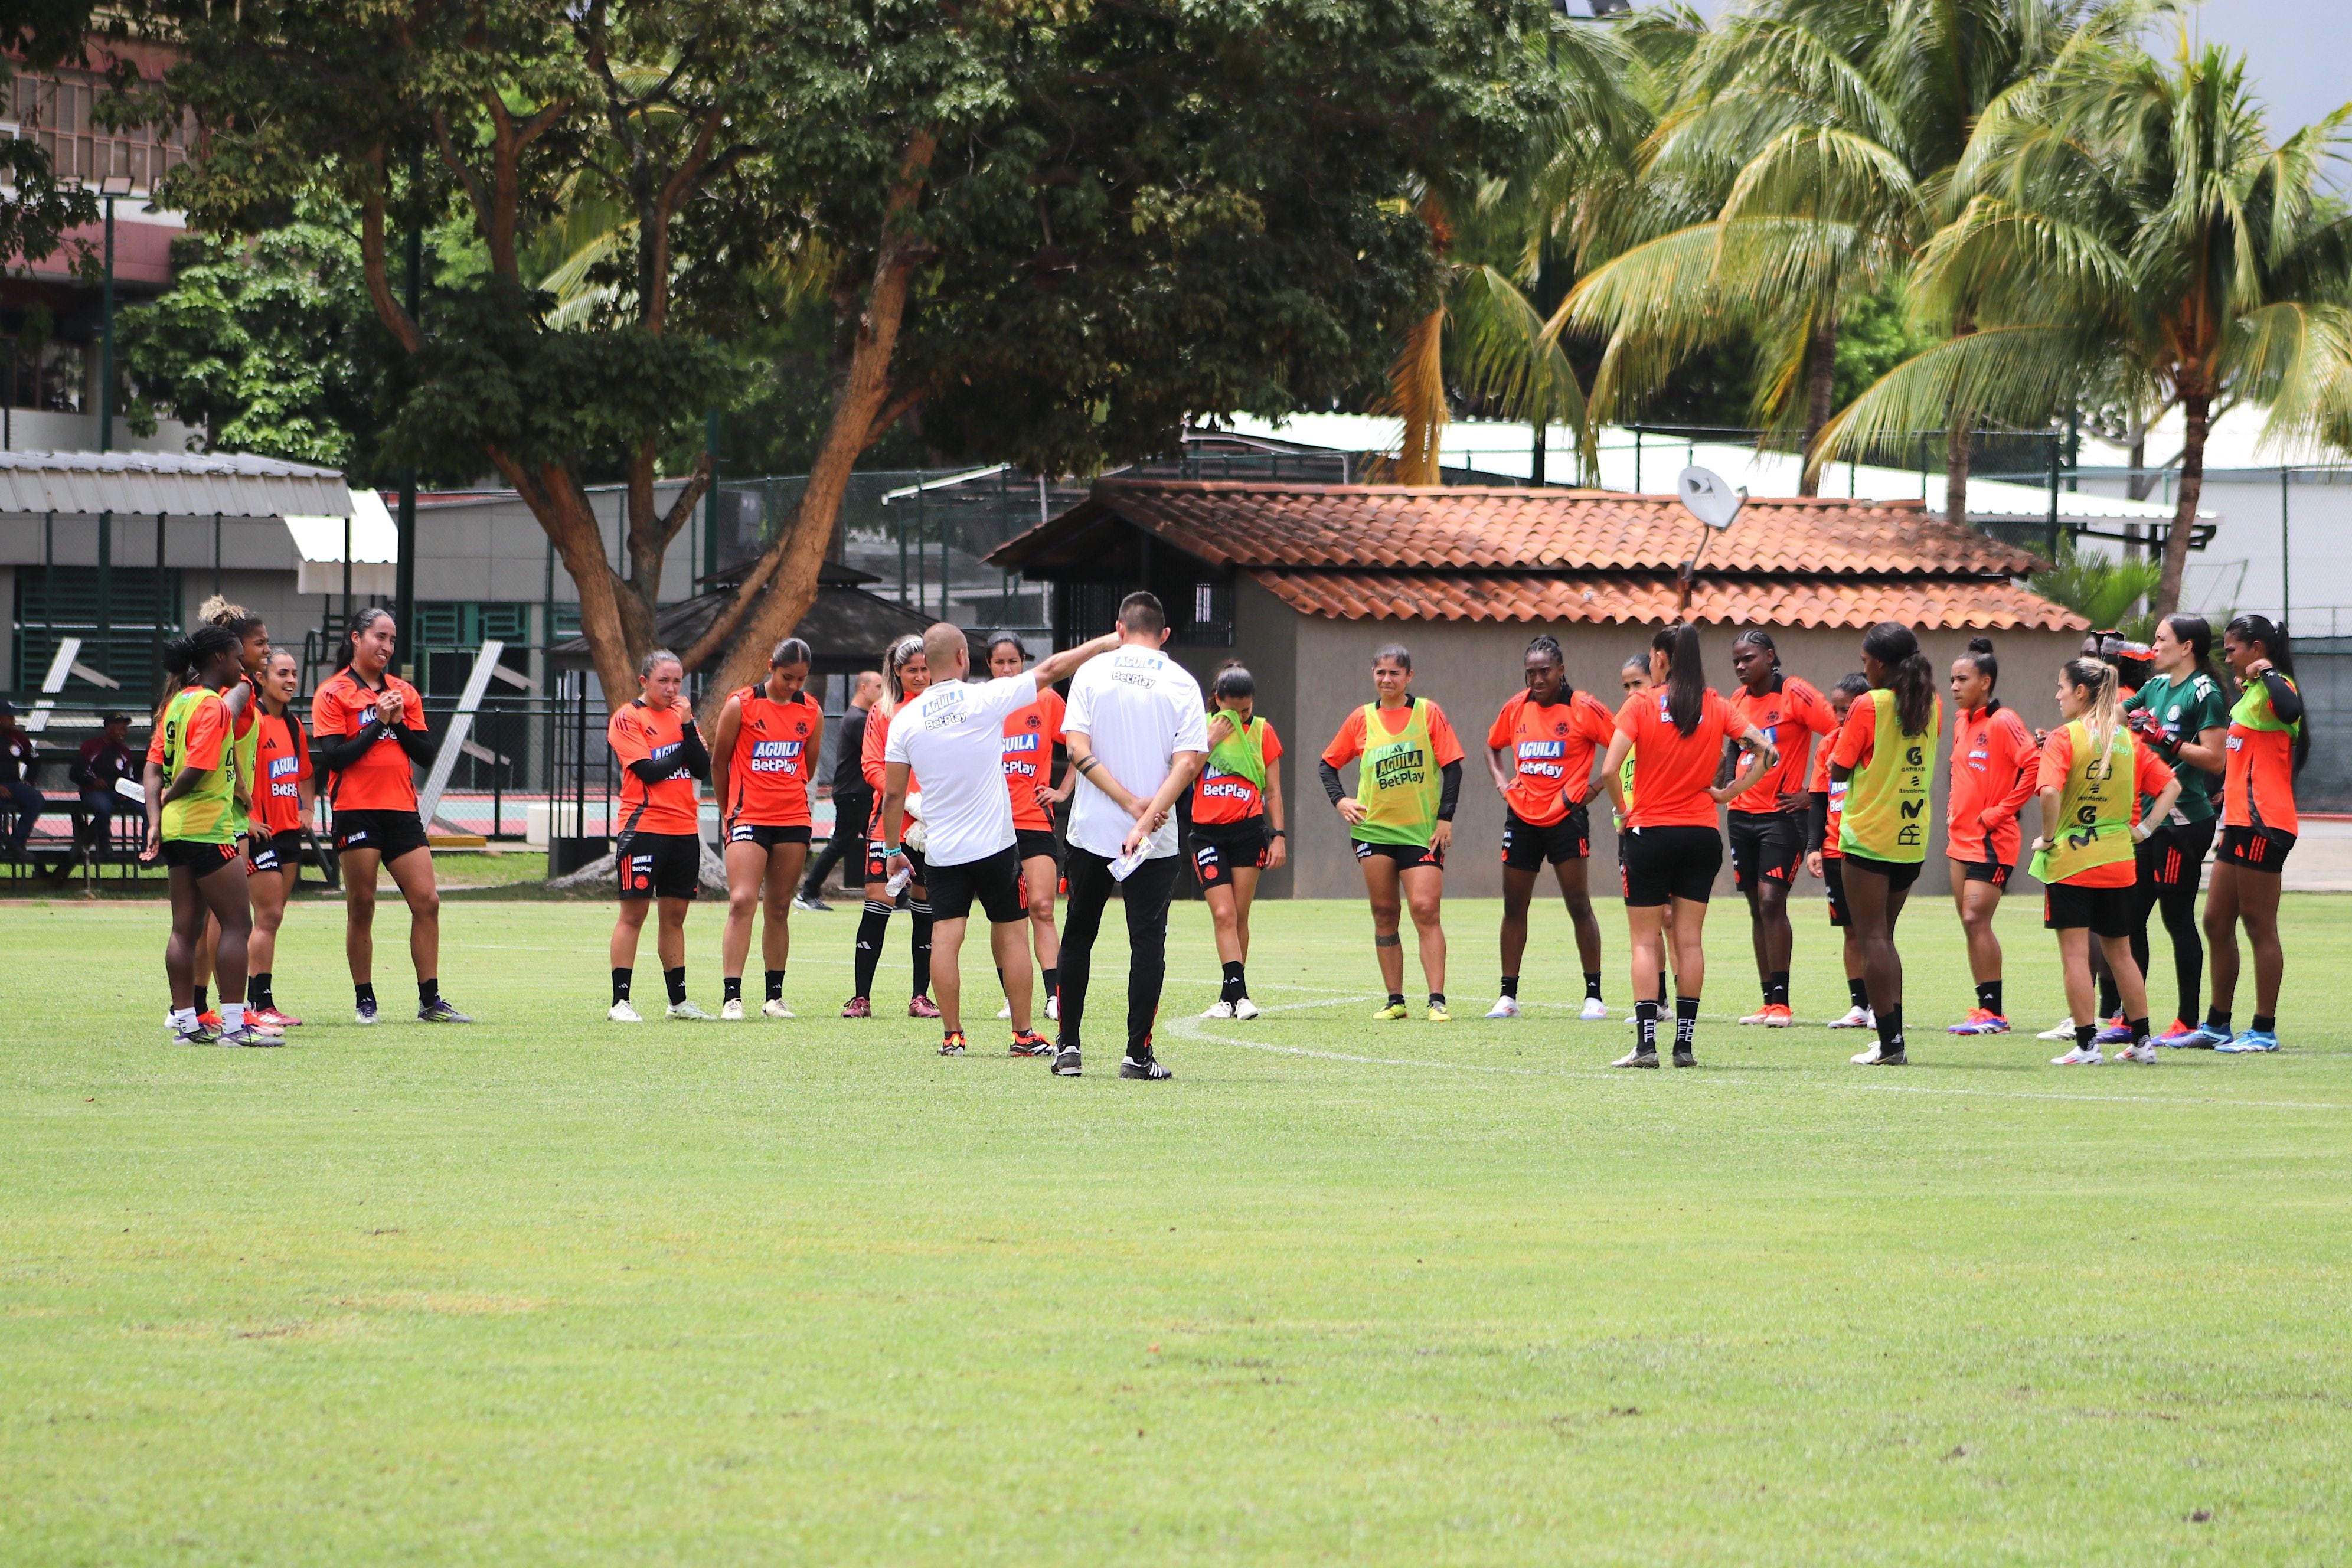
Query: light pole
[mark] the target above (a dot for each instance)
(112, 187)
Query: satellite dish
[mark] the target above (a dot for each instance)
(1706, 496)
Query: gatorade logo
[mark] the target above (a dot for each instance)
(1914, 757)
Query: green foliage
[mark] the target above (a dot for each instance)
(2106, 590)
(1875, 335)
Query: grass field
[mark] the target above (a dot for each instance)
(547, 1289)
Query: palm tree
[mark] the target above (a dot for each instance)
(2133, 228)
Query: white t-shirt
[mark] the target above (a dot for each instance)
(954, 737)
(1139, 708)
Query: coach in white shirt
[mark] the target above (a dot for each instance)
(1138, 734)
(952, 737)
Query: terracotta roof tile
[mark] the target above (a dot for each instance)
(1813, 600)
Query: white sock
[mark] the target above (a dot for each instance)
(183, 1018)
(232, 1015)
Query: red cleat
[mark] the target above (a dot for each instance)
(922, 1007)
(858, 1007)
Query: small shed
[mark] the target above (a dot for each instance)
(1302, 581)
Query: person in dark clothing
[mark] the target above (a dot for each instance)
(18, 757)
(104, 762)
(853, 803)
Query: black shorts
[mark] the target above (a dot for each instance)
(1833, 878)
(993, 880)
(1525, 846)
(390, 833)
(1406, 855)
(1899, 874)
(2256, 848)
(1222, 849)
(1766, 845)
(1991, 871)
(1663, 864)
(877, 865)
(276, 851)
(1036, 843)
(659, 865)
(202, 858)
(765, 836)
(2107, 912)
(2175, 853)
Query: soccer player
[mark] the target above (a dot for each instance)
(2181, 712)
(282, 796)
(952, 735)
(1674, 731)
(658, 852)
(761, 758)
(1138, 738)
(2092, 773)
(853, 803)
(191, 784)
(1032, 735)
(1994, 772)
(1632, 676)
(1827, 862)
(1553, 734)
(1237, 830)
(367, 727)
(1766, 825)
(2266, 744)
(905, 675)
(1885, 751)
(253, 654)
(1401, 818)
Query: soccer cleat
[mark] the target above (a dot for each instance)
(1392, 1010)
(1067, 1061)
(731, 1010)
(954, 1044)
(1683, 1056)
(245, 1035)
(2117, 1032)
(2080, 1057)
(1637, 1057)
(1980, 1021)
(686, 1012)
(622, 1013)
(808, 905)
(1761, 1016)
(271, 1017)
(1151, 1069)
(439, 1011)
(259, 1027)
(2142, 1053)
(193, 1034)
(921, 1007)
(1595, 1010)
(2197, 1038)
(773, 1008)
(1030, 1043)
(1245, 1008)
(2251, 1042)
(2064, 1030)
(210, 1018)
(858, 1007)
(1855, 1018)
(1219, 1009)
(1053, 1006)
(1504, 1007)
(1779, 1016)
(1438, 1015)
(1879, 1057)
(1005, 1011)
(364, 1013)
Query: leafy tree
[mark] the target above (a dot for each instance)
(35, 209)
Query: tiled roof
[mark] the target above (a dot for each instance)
(1809, 601)
(1244, 525)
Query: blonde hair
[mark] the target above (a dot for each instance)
(2106, 719)
(900, 655)
(219, 611)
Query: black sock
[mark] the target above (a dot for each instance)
(257, 990)
(202, 1005)
(1054, 981)
(1437, 998)
(1988, 997)
(2084, 1035)
(872, 926)
(364, 993)
(1860, 992)
(1236, 987)
(1686, 1021)
(620, 985)
(2266, 1023)
(2217, 1021)
(1645, 1027)
(2111, 1001)
(1776, 990)
(1662, 990)
(428, 991)
(1510, 985)
(922, 913)
(1592, 984)
(775, 978)
(674, 979)
(1396, 998)
(731, 988)
(1890, 1029)
(2139, 1031)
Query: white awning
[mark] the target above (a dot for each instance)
(375, 547)
(143, 484)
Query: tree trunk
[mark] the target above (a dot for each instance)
(1418, 387)
(1820, 388)
(2196, 412)
(1956, 473)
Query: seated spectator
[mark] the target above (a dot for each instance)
(18, 757)
(105, 761)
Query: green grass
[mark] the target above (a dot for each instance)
(549, 1289)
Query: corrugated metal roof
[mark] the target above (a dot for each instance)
(174, 483)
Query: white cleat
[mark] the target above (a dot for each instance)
(775, 1008)
(622, 1013)
(1005, 1011)
(1595, 1010)
(2065, 1031)
(1877, 1056)
(1244, 1008)
(2080, 1057)
(2142, 1053)
(1219, 1009)
(1855, 1018)
(1504, 1007)
(731, 1010)
(686, 1012)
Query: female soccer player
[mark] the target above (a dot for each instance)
(282, 794)
(1826, 861)
(253, 653)
(1993, 770)
(658, 850)
(191, 784)
(1632, 676)
(1236, 826)
(2182, 714)
(2267, 743)
(1553, 734)
(367, 727)
(1886, 750)
(1768, 824)
(1032, 737)
(1674, 733)
(1401, 818)
(905, 675)
(761, 757)
(2093, 773)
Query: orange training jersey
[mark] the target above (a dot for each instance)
(282, 761)
(1672, 772)
(381, 780)
(1348, 743)
(1994, 772)
(775, 752)
(1789, 719)
(1030, 737)
(1220, 797)
(638, 734)
(1551, 752)
(2258, 772)
(869, 762)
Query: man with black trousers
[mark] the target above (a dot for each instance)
(1137, 733)
(853, 803)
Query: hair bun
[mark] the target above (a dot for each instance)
(1980, 644)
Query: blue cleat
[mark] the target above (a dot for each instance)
(2195, 1038)
(2252, 1041)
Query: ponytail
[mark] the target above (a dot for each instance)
(1980, 655)
(2198, 633)
(1234, 682)
(1685, 679)
(1893, 644)
(2103, 681)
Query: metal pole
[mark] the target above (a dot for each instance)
(105, 660)
(1637, 465)
(902, 531)
(2054, 500)
(155, 639)
(49, 577)
(347, 574)
(710, 497)
(403, 571)
(2286, 557)
(216, 552)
